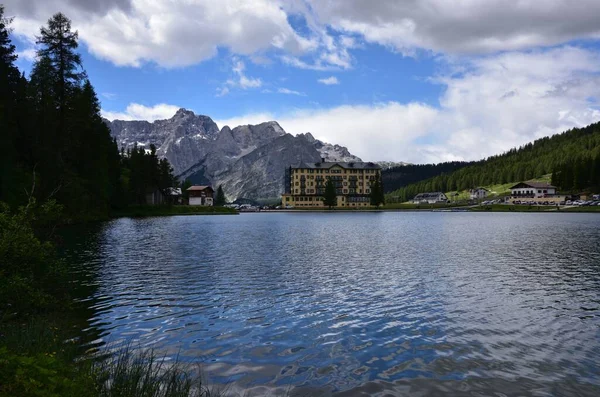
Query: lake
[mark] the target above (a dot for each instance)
(394, 303)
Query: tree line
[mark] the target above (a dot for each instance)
(55, 145)
(397, 177)
(578, 175)
(573, 148)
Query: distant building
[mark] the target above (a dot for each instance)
(305, 183)
(532, 190)
(174, 195)
(430, 198)
(201, 195)
(479, 193)
(155, 197)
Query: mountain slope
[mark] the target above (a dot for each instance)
(533, 160)
(248, 160)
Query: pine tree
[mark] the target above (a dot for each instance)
(58, 44)
(330, 196)
(220, 199)
(377, 196)
(9, 131)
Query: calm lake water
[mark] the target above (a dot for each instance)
(373, 303)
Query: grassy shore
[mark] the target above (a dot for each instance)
(170, 210)
(42, 345)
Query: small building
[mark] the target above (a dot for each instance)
(155, 197)
(478, 193)
(201, 195)
(532, 190)
(430, 198)
(174, 195)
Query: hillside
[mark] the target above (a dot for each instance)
(399, 176)
(568, 150)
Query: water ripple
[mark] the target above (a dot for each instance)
(362, 304)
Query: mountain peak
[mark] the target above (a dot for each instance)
(184, 112)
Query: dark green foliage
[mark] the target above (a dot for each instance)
(184, 187)
(397, 177)
(220, 199)
(578, 174)
(330, 196)
(143, 173)
(32, 279)
(377, 196)
(544, 156)
(54, 142)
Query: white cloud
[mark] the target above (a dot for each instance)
(176, 33)
(254, 118)
(241, 80)
(287, 91)
(329, 80)
(170, 33)
(461, 26)
(496, 103)
(109, 95)
(135, 111)
(28, 54)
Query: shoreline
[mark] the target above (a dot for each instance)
(515, 209)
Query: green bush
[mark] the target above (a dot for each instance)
(31, 277)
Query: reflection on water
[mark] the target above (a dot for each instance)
(369, 303)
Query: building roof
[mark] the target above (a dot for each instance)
(478, 188)
(534, 185)
(173, 191)
(357, 165)
(198, 188)
(428, 195)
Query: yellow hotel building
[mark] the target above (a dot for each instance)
(305, 184)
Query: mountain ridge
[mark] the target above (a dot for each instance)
(248, 160)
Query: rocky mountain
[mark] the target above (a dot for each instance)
(386, 165)
(248, 160)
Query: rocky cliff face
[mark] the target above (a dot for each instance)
(249, 160)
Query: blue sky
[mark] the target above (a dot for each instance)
(417, 81)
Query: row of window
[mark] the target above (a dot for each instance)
(335, 177)
(332, 171)
(337, 191)
(336, 184)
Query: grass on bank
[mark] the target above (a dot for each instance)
(513, 208)
(171, 210)
(585, 208)
(40, 326)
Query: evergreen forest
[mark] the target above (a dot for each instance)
(572, 157)
(55, 145)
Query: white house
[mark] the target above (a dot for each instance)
(532, 189)
(479, 193)
(201, 195)
(430, 198)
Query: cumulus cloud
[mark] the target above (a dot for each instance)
(463, 26)
(135, 111)
(329, 80)
(175, 33)
(495, 103)
(170, 33)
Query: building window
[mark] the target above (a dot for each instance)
(367, 191)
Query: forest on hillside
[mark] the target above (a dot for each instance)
(55, 146)
(572, 155)
(396, 177)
